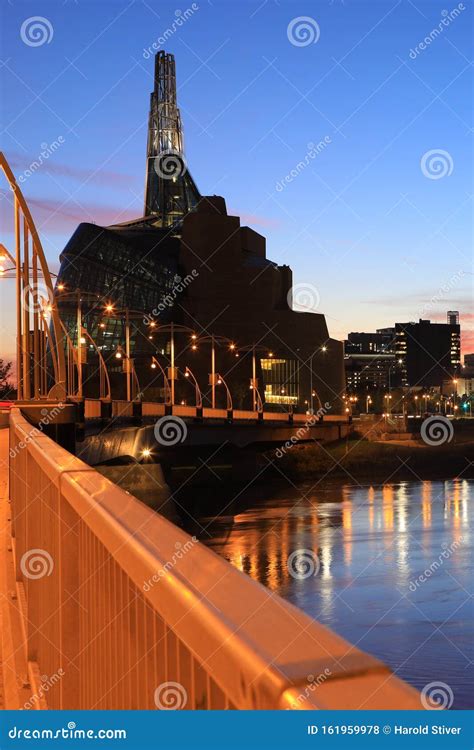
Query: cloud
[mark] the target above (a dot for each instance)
(467, 341)
(59, 216)
(22, 162)
(262, 221)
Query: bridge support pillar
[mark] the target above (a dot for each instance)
(137, 411)
(106, 410)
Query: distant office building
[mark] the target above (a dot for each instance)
(468, 366)
(429, 352)
(369, 360)
(366, 372)
(370, 343)
(469, 360)
(460, 388)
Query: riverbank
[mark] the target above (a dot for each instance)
(358, 458)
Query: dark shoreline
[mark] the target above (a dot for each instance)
(357, 459)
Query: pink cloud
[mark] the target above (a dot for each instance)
(58, 216)
(262, 221)
(22, 162)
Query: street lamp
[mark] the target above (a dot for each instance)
(220, 381)
(214, 339)
(154, 365)
(257, 396)
(129, 371)
(455, 392)
(189, 374)
(313, 392)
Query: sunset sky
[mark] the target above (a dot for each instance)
(381, 237)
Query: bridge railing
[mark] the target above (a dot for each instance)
(120, 408)
(132, 613)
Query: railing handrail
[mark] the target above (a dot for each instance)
(258, 648)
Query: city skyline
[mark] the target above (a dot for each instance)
(357, 215)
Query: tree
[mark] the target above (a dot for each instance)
(6, 387)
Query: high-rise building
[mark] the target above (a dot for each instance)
(429, 352)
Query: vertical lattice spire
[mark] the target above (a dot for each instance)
(170, 190)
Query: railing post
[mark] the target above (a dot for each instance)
(69, 615)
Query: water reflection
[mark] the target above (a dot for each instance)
(373, 543)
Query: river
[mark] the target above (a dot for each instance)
(389, 568)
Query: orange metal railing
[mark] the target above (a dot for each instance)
(133, 613)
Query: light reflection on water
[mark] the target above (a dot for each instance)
(373, 543)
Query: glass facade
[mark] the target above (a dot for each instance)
(112, 273)
(280, 380)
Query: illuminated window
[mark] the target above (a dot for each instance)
(280, 379)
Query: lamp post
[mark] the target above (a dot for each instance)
(257, 402)
(154, 364)
(368, 401)
(129, 370)
(214, 339)
(189, 374)
(313, 392)
(220, 380)
(79, 351)
(256, 398)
